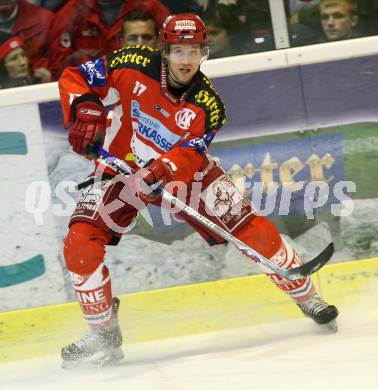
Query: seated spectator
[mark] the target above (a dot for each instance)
(31, 24)
(226, 34)
(14, 63)
(365, 12)
(86, 29)
(339, 19)
(139, 28)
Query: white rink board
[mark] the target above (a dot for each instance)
(21, 237)
(228, 66)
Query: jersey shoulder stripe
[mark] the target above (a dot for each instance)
(139, 57)
(205, 96)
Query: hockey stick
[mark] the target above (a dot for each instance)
(304, 270)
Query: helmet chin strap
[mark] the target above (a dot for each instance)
(167, 78)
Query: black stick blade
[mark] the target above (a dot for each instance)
(313, 265)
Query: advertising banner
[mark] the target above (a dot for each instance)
(287, 172)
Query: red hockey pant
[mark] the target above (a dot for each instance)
(84, 252)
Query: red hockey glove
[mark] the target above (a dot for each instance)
(155, 172)
(88, 127)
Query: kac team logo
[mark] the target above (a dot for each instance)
(184, 118)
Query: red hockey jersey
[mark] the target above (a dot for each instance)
(146, 124)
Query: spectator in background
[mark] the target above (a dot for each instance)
(339, 19)
(365, 12)
(14, 63)
(31, 24)
(140, 28)
(86, 29)
(226, 34)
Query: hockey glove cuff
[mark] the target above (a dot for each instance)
(89, 125)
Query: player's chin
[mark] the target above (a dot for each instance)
(185, 78)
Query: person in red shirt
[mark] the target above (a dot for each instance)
(32, 24)
(166, 114)
(86, 29)
(14, 64)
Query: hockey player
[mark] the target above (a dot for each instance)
(166, 114)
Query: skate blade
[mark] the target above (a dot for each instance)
(329, 327)
(332, 325)
(101, 359)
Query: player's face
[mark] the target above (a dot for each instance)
(184, 62)
(140, 32)
(16, 63)
(337, 21)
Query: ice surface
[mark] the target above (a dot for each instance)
(285, 356)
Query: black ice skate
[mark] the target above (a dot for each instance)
(97, 347)
(319, 311)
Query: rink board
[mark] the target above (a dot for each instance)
(186, 310)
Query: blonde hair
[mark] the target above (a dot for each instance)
(353, 5)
